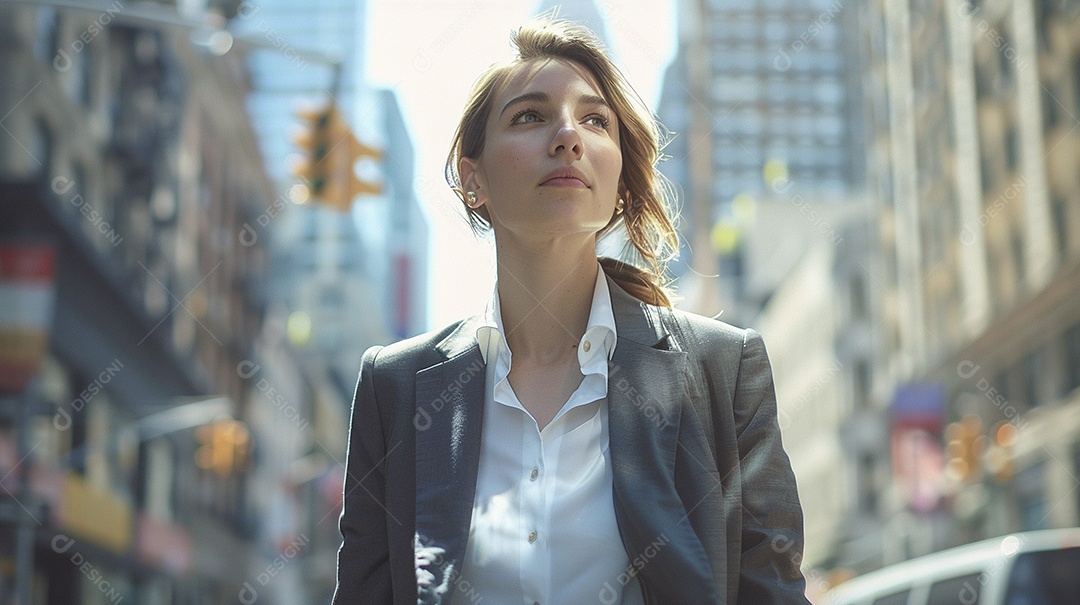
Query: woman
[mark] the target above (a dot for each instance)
(580, 441)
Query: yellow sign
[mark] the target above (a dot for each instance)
(93, 513)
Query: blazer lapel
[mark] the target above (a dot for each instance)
(449, 422)
(646, 393)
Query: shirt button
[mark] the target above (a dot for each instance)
(534, 474)
(587, 346)
(532, 537)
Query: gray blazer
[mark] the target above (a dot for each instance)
(707, 515)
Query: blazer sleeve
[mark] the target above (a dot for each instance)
(772, 522)
(363, 572)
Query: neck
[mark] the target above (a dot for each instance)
(545, 295)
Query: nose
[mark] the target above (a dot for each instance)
(567, 140)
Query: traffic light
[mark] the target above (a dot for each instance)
(224, 447)
(314, 141)
(331, 151)
(965, 444)
(999, 456)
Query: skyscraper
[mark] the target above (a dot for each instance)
(763, 97)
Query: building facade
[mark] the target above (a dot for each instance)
(973, 160)
(819, 323)
(141, 452)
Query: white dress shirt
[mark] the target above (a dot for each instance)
(543, 523)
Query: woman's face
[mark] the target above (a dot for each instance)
(551, 160)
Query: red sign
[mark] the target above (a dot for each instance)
(164, 545)
(27, 295)
(918, 463)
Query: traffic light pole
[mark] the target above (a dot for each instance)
(16, 511)
(335, 82)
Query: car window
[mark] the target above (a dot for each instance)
(963, 590)
(1045, 578)
(899, 598)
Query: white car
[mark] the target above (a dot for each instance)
(1029, 568)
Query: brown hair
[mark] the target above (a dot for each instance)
(649, 198)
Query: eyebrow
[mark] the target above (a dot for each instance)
(542, 97)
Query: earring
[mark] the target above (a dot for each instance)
(470, 199)
(619, 206)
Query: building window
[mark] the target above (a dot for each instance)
(1076, 84)
(1051, 111)
(1003, 384)
(77, 455)
(45, 40)
(1005, 60)
(333, 298)
(867, 487)
(858, 297)
(157, 479)
(934, 243)
(1060, 209)
(1044, 13)
(885, 187)
(1017, 244)
(1076, 472)
(983, 82)
(78, 194)
(1031, 371)
(1030, 498)
(41, 150)
(78, 77)
(1012, 148)
(1072, 358)
(995, 261)
(881, 107)
(861, 378)
(986, 174)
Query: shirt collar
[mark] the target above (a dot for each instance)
(599, 334)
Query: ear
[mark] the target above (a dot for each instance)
(472, 179)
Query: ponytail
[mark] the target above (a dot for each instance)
(640, 284)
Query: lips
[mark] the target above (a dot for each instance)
(567, 176)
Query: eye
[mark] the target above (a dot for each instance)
(525, 116)
(598, 120)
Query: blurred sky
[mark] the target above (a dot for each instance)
(430, 52)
